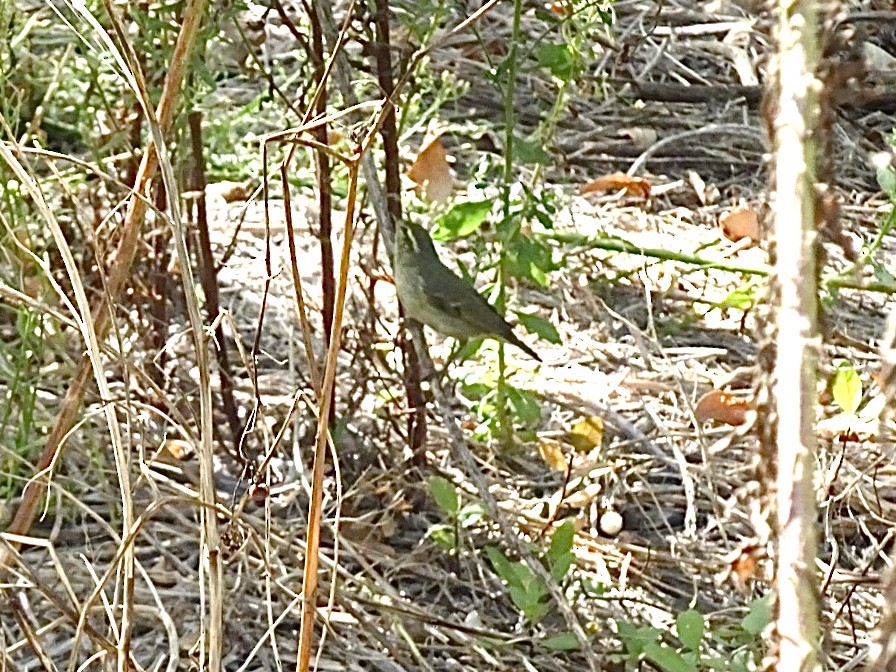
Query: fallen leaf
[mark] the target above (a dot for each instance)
(557, 8)
(722, 407)
(179, 449)
(745, 569)
(739, 224)
(587, 434)
(552, 454)
(431, 171)
(633, 186)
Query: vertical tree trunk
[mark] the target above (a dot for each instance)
(793, 120)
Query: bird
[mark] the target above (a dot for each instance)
(433, 294)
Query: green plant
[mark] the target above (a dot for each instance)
(24, 335)
(696, 644)
(526, 590)
(521, 255)
(858, 417)
(494, 400)
(447, 535)
(886, 180)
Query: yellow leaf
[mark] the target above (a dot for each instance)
(552, 454)
(587, 433)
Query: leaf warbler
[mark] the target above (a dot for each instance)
(433, 294)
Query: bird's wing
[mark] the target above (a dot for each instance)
(452, 294)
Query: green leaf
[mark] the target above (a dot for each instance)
(882, 274)
(522, 599)
(526, 599)
(526, 406)
(471, 514)
(829, 296)
(558, 58)
(536, 611)
(502, 566)
(561, 541)
(536, 324)
(528, 258)
(739, 299)
(689, 626)
(526, 579)
(462, 219)
(635, 639)
(594, 588)
(468, 350)
(847, 388)
(443, 535)
(561, 567)
(759, 615)
(527, 151)
(565, 641)
(527, 592)
(444, 493)
(742, 661)
(886, 178)
(667, 658)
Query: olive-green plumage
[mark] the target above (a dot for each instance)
(433, 294)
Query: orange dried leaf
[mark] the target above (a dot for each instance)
(432, 172)
(745, 567)
(722, 407)
(179, 449)
(633, 186)
(557, 8)
(739, 224)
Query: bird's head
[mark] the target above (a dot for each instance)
(414, 239)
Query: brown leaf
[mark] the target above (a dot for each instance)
(739, 224)
(432, 172)
(633, 186)
(745, 569)
(722, 407)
